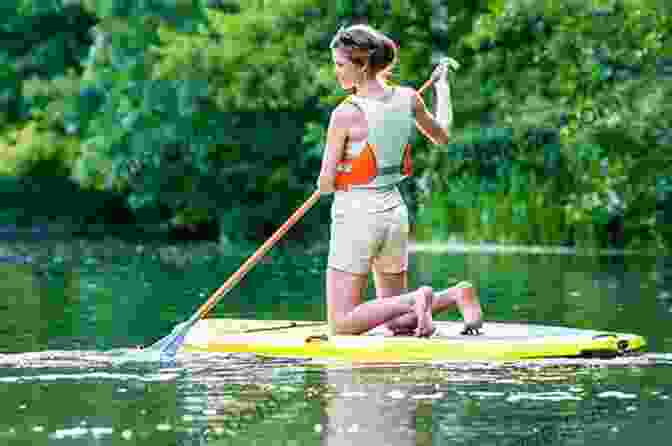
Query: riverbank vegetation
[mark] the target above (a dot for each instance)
(207, 118)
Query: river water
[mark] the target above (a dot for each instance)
(69, 306)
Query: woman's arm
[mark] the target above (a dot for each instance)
(337, 134)
(436, 128)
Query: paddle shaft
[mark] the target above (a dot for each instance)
(426, 85)
(258, 254)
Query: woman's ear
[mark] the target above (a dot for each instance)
(365, 68)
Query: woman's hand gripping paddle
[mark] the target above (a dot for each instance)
(446, 63)
(168, 346)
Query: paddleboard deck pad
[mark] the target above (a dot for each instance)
(496, 341)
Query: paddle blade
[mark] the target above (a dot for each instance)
(169, 345)
(165, 349)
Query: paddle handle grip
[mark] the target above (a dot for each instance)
(426, 85)
(259, 253)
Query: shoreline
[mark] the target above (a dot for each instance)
(36, 250)
(501, 248)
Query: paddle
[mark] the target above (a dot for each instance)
(169, 345)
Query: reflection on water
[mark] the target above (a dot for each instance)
(64, 313)
(243, 399)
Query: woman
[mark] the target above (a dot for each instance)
(366, 156)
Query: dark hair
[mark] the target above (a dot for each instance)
(367, 45)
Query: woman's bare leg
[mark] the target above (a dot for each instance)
(461, 296)
(390, 285)
(350, 316)
(393, 284)
(470, 307)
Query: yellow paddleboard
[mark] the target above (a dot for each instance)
(497, 341)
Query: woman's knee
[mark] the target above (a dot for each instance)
(341, 328)
(344, 293)
(345, 285)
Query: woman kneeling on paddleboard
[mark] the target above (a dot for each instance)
(367, 154)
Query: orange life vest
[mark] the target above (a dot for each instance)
(364, 168)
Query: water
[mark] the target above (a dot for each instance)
(68, 311)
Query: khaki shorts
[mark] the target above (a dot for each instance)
(361, 240)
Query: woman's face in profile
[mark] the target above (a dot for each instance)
(347, 72)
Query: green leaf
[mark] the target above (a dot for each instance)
(497, 7)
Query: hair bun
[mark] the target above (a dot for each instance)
(378, 50)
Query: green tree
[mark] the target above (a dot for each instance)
(211, 120)
(580, 89)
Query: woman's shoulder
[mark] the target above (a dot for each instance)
(346, 112)
(347, 107)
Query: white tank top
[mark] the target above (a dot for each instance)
(390, 122)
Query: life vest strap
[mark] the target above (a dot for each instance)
(388, 170)
(344, 167)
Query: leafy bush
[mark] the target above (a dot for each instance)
(26, 150)
(580, 90)
(46, 136)
(196, 125)
(207, 112)
(11, 97)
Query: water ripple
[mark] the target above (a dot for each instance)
(548, 396)
(207, 368)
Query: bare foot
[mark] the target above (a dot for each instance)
(387, 331)
(423, 311)
(392, 329)
(398, 332)
(470, 307)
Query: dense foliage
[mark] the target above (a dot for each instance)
(565, 118)
(212, 113)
